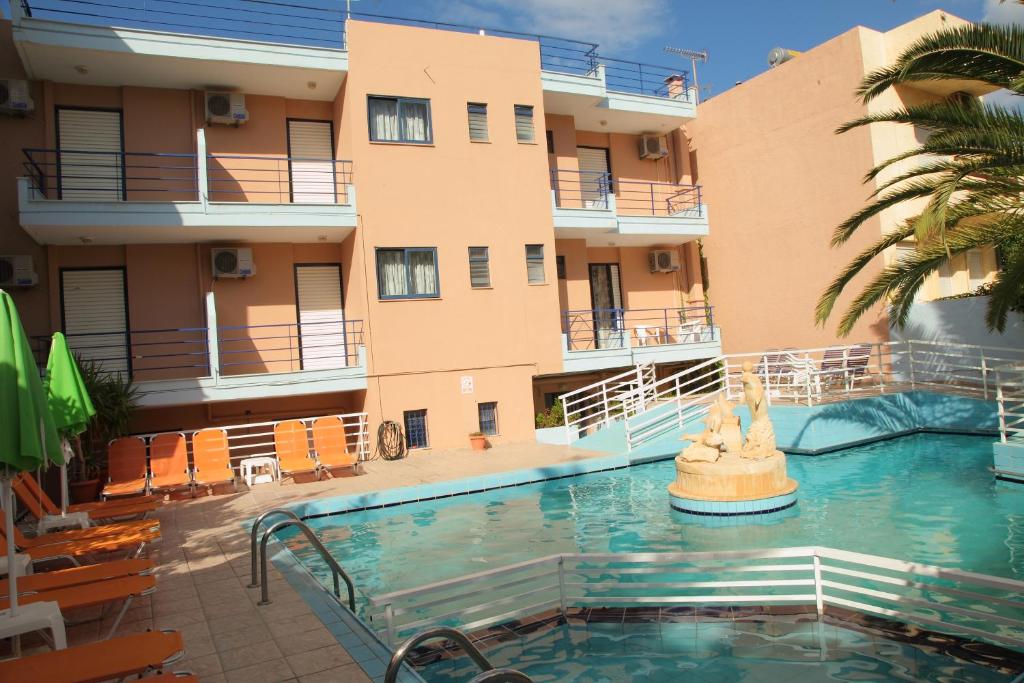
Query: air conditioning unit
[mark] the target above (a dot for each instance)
(226, 107)
(14, 96)
(663, 261)
(232, 262)
(653, 147)
(17, 271)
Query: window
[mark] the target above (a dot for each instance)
(477, 121)
(407, 273)
(488, 413)
(975, 269)
(399, 119)
(416, 428)
(535, 264)
(524, 123)
(560, 267)
(550, 135)
(479, 267)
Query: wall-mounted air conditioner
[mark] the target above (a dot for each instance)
(226, 108)
(663, 261)
(17, 271)
(653, 147)
(14, 96)
(232, 262)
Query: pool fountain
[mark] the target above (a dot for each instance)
(722, 474)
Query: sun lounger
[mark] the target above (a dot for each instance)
(36, 509)
(211, 458)
(173, 677)
(88, 549)
(168, 463)
(330, 444)
(94, 532)
(76, 576)
(115, 509)
(126, 467)
(117, 658)
(291, 443)
(123, 590)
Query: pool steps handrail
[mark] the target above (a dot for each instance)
(254, 580)
(336, 571)
(489, 673)
(946, 599)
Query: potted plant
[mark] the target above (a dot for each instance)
(114, 398)
(478, 441)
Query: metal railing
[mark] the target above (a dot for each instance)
(1010, 401)
(602, 403)
(619, 328)
(581, 189)
(951, 601)
(642, 198)
(645, 79)
(173, 353)
(460, 639)
(277, 179)
(111, 176)
(337, 573)
(289, 347)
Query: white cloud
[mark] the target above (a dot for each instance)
(1007, 12)
(616, 25)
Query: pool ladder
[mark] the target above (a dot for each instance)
(338, 574)
(488, 674)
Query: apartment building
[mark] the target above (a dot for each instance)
(780, 181)
(431, 224)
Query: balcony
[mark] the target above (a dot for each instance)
(616, 212)
(598, 339)
(227, 363)
(76, 197)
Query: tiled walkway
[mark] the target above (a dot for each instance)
(203, 573)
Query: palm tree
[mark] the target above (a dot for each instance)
(970, 170)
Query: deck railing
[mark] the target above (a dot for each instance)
(644, 79)
(949, 601)
(642, 198)
(602, 403)
(277, 180)
(581, 189)
(1010, 400)
(112, 176)
(619, 328)
(289, 347)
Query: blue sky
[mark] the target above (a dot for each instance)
(738, 35)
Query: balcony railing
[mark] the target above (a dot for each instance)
(591, 189)
(620, 328)
(173, 353)
(289, 347)
(644, 79)
(165, 177)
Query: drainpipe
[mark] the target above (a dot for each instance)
(201, 171)
(212, 342)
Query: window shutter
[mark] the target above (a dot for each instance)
(90, 160)
(477, 122)
(479, 267)
(312, 180)
(95, 318)
(535, 263)
(322, 340)
(524, 123)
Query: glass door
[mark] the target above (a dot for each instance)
(606, 301)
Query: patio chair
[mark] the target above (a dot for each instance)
(691, 332)
(857, 361)
(103, 593)
(126, 467)
(330, 444)
(94, 532)
(211, 459)
(833, 365)
(291, 443)
(34, 506)
(77, 576)
(98, 511)
(86, 550)
(168, 463)
(132, 655)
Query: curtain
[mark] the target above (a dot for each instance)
(414, 121)
(384, 118)
(391, 273)
(424, 274)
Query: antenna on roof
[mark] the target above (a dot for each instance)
(694, 56)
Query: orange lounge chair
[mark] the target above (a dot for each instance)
(168, 463)
(126, 467)
(76, 576)
(36, 509)
(291, 443)
(116, 509)
(211, 458)
(122, 590)
(94, 532)
(331, 445)
(86, 549)
(117, 658)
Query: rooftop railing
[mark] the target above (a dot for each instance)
(289, 347)
(620, 328)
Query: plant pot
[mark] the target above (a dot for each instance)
(84, 491)
(478, 443)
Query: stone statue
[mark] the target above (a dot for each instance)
(760, 442)
(720, 435)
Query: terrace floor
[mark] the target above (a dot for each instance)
(203, 569)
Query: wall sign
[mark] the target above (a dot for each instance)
(467, 384)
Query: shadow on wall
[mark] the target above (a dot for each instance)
(960, 321)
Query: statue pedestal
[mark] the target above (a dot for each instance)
(733, 485)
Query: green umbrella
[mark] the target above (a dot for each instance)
(28, 436)
(69, 401)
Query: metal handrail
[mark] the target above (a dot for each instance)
(454, 634)
(336, 570)
(253, 578)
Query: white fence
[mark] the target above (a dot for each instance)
(804, 376)
(946, 600)
(1010, 399)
